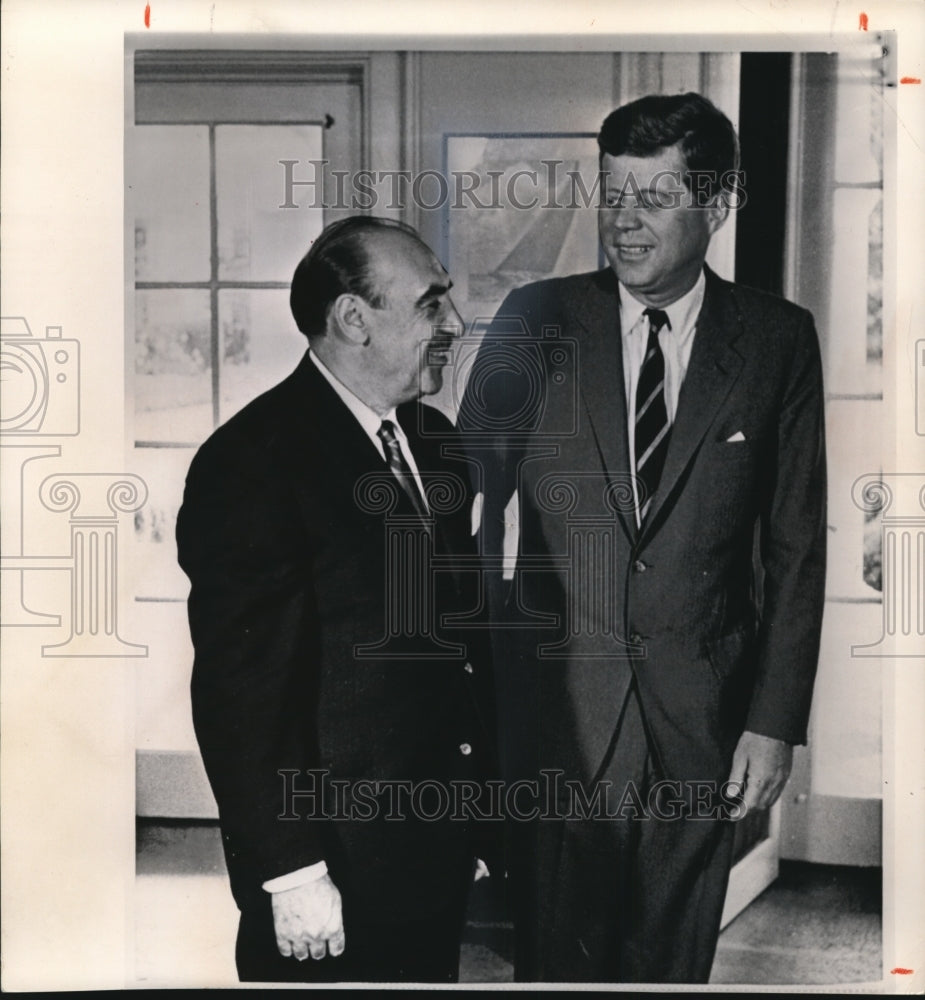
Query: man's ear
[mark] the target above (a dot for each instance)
(717, 213)
(349, 314)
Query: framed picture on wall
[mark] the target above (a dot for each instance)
(523, 208)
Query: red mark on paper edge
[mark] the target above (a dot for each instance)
(147, 15)
(909, 79)
(901, 972)
(862, 22)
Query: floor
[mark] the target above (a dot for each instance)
(817, 924)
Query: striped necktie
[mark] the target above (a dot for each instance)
(652, 425)
(401, 470)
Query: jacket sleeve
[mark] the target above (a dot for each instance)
(793, 553)
(250, 615)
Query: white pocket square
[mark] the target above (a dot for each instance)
(738, 436)
(477, 502)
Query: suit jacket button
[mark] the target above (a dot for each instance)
(465, 749)
(640, 566)
(468, 668)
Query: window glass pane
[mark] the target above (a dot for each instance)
(854, 322)
(858, 123)
(173, 366)
(854, 429)
(258, 240)
(156, 573)
(875, 284)
(169, 188)
(260, 342)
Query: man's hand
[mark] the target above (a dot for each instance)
(308, 920)
(760, 769)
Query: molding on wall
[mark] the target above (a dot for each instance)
(832, 830)
(410, 111)
(752, 874)
(241, 66)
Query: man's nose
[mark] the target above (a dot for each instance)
(454, 322)
(626, 217)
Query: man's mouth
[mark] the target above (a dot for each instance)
(632, 250)
(438, 354)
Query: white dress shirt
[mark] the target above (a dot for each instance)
(370, 421)
(676, 344)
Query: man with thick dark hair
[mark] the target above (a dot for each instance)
(704, 135)
(663, 432)
(341, 724)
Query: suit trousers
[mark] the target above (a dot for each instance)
(631, 899)
(424, 950)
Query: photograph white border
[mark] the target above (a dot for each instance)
(68, 746)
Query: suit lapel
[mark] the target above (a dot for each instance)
(424, 449)
(427, 449)
(601, 382)
(340, 449)
(713, 369)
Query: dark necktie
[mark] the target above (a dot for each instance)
(401, 469)
(652, 426)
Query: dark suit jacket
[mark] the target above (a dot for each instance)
(284, 541)
(715, 647)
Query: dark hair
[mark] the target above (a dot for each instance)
(337, 263)
(646, 126)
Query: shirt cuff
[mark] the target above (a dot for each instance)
(301, 876)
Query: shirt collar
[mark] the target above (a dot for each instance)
(368, 419)
(682, 314)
